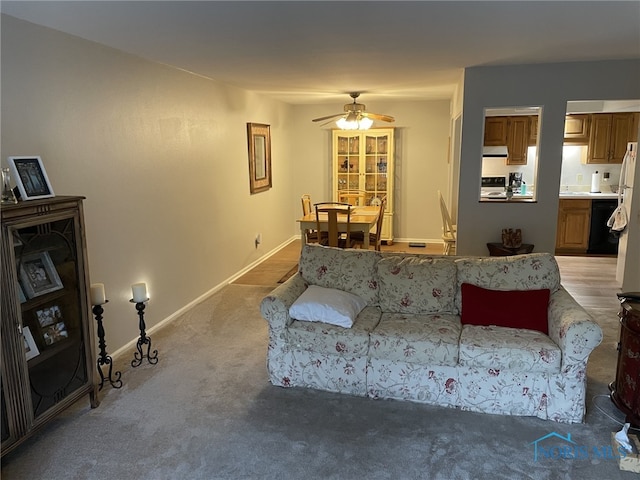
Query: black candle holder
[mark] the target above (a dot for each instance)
(104, 359)
(144, 339)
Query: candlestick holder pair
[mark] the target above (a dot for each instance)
(104, 358)
(152, 357)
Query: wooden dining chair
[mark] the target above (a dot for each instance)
(352, 197)
(307, 208)
(333, 236)
(449, 233)
(375, 238)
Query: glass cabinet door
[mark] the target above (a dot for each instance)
(48, 277)
(376, 166)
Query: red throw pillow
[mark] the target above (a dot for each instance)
(505, 308)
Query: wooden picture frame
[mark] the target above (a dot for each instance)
(38, 275)
(259, 143)
(30, 347)
(30, 177)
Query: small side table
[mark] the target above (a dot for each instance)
(499, 250)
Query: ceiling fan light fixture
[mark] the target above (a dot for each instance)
(357, 123)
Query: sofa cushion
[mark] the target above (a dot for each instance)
(417, 338)
(420, 285)
(534, 271)
(330, 339)
(498, 348)
(328, 305)
(351, 270)
(509, 308)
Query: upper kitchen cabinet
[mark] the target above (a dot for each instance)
(609, 135)
(495, 131)
(512, 132)
(576, 129)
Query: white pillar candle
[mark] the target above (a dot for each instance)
(98, 296)
(139, 292)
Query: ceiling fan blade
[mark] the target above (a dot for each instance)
(335, 115)
(379, 116)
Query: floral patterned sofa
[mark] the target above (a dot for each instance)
(409, 342)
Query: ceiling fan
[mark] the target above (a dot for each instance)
(354, 116)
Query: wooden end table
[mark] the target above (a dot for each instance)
(498, 250)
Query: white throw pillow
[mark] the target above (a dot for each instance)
(328, 305)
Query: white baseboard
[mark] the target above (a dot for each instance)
(204, 296)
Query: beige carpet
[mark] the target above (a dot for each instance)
(206, 411)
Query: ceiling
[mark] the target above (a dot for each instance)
(315, 52)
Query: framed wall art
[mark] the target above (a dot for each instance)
(30, 177)
(38, 275)
(259, 142)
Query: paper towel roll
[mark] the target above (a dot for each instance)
(595, 182)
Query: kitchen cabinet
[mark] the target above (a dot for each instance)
(364, 161)
(47, 335)
(576, 129)
(574, 222)
(512, 131)
(495, 131)
(609, 135)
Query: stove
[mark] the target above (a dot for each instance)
(493, 187)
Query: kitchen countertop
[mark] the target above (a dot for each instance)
(589, 195)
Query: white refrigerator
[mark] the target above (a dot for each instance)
(628, 267)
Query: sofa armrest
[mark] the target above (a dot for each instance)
(275, 306)
(572, 328)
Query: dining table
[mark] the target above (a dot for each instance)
(363, 219)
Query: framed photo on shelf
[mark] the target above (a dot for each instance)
(259, 142)
(54, 333)
(49, 316)
(30, 177)
(39, 275)
(30, 347)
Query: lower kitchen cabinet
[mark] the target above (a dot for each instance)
(47, 331)
(574, 222)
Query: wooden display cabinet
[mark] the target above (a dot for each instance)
(364, 161)
(47, 331)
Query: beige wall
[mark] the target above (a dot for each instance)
(161, 156)
(422, 132)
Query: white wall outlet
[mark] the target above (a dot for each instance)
(579, 178)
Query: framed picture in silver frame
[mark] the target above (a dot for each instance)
(30, 177)
(38, 274)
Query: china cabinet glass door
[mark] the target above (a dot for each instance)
(47, 267)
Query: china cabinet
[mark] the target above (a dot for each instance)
(364, 161)
(47, 333)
